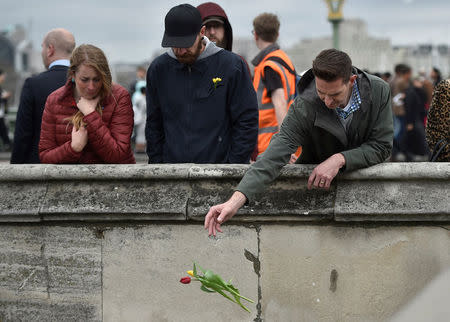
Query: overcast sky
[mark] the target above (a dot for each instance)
(131, 31)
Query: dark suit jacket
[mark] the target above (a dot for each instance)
(29, 115)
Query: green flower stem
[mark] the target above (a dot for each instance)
(214, 283)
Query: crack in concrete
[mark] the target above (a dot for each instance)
(444, 228)
(186, 208)
(257, 268)
(47, 274)
(102, 240)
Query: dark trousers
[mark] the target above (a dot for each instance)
(4, 132)
(413, 141)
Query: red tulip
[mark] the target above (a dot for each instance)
(185, 280)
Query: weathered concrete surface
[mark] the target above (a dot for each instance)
(386, 192)
(288, 200)
(50, 274)
(395, 192)
(403, 171)
(298, 272)
(83, 172)
(124, 200)
(110, 242)
(19, 203)
(431, 304)
(143, 266)
(392, 201)
(320, 273)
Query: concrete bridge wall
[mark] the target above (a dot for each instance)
(110, 243)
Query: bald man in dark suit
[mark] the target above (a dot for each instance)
(57, 48)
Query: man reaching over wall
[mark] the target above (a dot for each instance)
(342, 118)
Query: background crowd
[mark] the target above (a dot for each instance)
(412, 94)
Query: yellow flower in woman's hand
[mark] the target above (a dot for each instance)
(191, 273)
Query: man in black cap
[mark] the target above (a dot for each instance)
(201, 105)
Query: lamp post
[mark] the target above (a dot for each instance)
(335, 17)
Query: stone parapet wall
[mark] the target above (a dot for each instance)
(110, 243)
(386, 192)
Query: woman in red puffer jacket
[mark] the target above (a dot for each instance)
(89, 119)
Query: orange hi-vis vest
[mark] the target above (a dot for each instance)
(268, 124)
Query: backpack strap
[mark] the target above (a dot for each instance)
(440, 145)
(283, 63)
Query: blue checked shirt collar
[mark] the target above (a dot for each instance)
(354, 106)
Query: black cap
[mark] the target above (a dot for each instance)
(183, 23)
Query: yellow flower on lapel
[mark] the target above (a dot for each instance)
(216, 81)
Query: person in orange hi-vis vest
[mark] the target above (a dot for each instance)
(274, 80)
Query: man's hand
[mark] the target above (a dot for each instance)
(87, 106)
(325, 172)
(293, 158)
(79, 139)
(219, 214)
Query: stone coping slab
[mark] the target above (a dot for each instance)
(184, 192)
(384, 171)
(27, 172)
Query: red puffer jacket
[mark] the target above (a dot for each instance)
(109, 134)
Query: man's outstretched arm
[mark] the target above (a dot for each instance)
(259, 175)
(321, 177)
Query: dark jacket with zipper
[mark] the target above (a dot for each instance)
(310, 124)
(189, 120)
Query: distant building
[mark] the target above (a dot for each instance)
(246, 47)
(6, 51)
(367, 52)
(375, 54)
(18, 58)
(303, 53)
(372, 53)
(422, 58)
